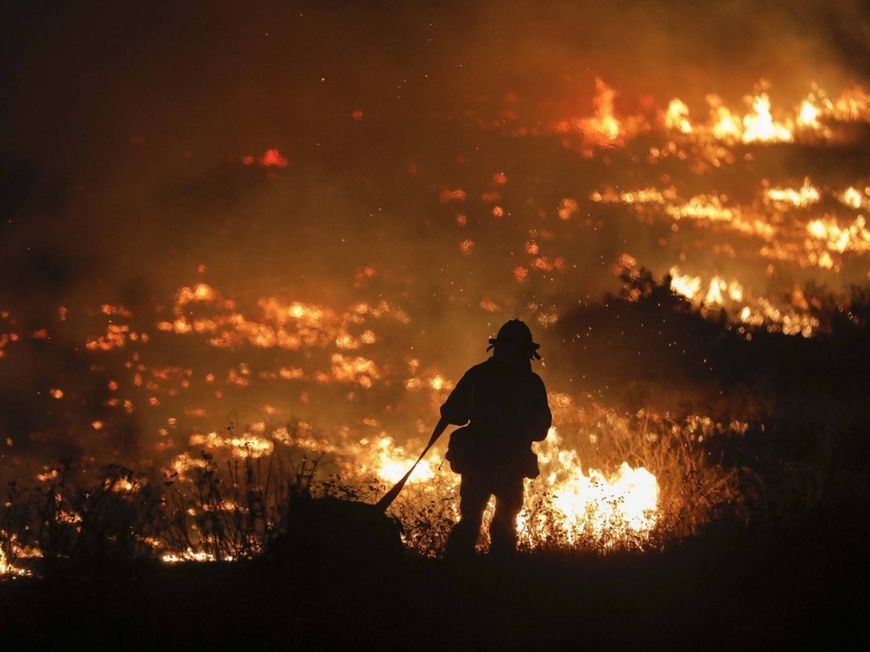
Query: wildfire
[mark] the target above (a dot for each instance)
(242, 446)
(761, 123)
(604, 508)
(855, 198)
(640, 196)
(718, 290)
(191, 555)
(10, 570)
(331, 355)
(621, 506)
(853, 237)
(677, 116)
(290, 325)
(731, 294)
(390, 462)
(602, 128)
(801, 197)
(809, 115)
(608, 507)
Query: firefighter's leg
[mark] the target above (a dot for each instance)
(503, 530)
(473, 496)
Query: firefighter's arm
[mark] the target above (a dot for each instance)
(457, 408)
(543, 418)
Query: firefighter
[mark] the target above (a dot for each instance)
(504, 404)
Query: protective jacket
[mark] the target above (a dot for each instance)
(505, 406)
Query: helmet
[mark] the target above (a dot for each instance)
(514, 334)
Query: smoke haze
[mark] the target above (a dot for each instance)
(135, 160)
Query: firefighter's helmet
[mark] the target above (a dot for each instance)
(515, 335)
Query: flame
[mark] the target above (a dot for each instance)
(726, 126)
(757, 125)
(801, 197)
(391, 463)
(609, 507)
(8, 569)
(191, 555)
(757, 312)
(602, 128)
(281, 324)
(854, 237)
(703, 207)
(622, 505)
(19, 551)
(685, 284)
(808, 117)
(677, 117)
(789, 321)
(853, 105)
(248, 444)
(854, 198)
(760, 125)
(641, 196)
(316, 344)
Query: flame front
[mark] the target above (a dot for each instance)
(621, 506)
(607, 509)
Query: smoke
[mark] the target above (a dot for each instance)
(127, 130)
(82, 85)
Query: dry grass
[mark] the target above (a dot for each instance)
(231, 508)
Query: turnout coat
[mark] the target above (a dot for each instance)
(504, 404)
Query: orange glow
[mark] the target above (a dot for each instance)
(273, 158)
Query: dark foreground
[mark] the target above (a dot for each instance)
(798, 586)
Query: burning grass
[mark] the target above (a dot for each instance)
(611, 478)
(655, 388)
(223, 507)
(318, 275)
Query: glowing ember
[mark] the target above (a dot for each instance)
(273, 158)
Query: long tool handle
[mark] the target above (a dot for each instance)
(390, 496)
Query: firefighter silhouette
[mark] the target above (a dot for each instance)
(504, 404)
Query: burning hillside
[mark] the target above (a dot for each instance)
(199, 303)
